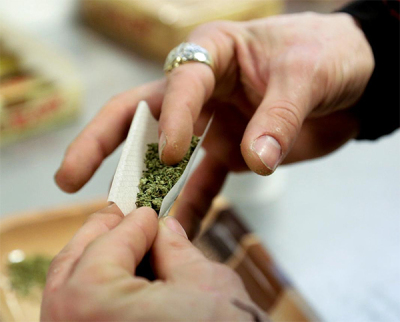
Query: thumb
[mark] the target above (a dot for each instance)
(172, 249)
(275, 125)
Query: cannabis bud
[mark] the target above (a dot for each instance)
(158, 179)
(28, 274)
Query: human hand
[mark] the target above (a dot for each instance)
(281, 92)
(93, 277)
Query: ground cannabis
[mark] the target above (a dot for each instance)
(158, 179)
(29, 273)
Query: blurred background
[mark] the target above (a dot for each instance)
(332, 225)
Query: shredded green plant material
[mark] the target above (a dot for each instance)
(158, 178)
(28, 274)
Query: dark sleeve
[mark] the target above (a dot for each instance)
(378, 109)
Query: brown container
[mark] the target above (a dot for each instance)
(154, 27)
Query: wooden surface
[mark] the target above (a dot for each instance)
(37, 233)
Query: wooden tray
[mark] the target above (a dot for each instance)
(36, 233)
(224, 238)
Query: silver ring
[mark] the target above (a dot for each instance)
(187, 52)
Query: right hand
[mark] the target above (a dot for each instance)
(93, 278)
(281, 91)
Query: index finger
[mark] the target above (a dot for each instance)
(118, 252)
(188, 87)
(104, 134)
(97, 224)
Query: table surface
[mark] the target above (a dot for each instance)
(332, 224)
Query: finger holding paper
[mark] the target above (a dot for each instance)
(104, 134)
(128, 176)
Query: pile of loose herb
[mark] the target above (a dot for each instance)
(29, 273)
(158, 178)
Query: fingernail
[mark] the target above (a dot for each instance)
(175, 226)
(269, 151)
(161, 144)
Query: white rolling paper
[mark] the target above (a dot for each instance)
(124, 188)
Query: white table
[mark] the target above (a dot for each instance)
(332, 224)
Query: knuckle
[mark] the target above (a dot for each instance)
(301, 61)
(101, 222)
(100, 150)
(189, 109)
(114, 100)
(76, 305)
(287, 115)
(185, 72)
(67, 304)
(58, 266)
(92, 217)
(198, 87)
(322, 72)
(302, 55)
(210, 28)
(65, 255)
(219, 38)
(178, 244)
(52, 308)
(177, 73)
(118, 102)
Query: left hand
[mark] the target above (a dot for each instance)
(93, 278)
(282, 92)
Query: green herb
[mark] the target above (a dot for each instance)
(158, 178)
(29, 273)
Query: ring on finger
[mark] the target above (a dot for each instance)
(185, 53)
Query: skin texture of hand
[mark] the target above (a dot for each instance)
(93, 277)
(281, 92)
